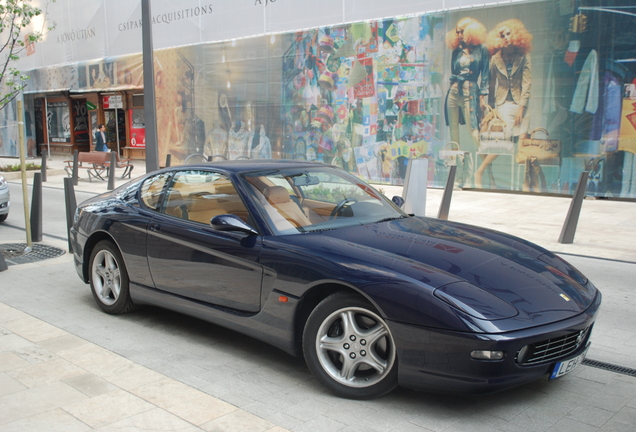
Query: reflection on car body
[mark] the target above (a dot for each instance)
(310, 259)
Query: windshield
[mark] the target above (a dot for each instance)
(315, 199)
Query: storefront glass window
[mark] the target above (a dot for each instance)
(58, 120)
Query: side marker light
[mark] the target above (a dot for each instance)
(487, 355)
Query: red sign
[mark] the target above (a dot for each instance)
(137, 130)
(112, 102)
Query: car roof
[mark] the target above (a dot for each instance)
(237, 166)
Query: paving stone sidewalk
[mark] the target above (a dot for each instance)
(51, 380)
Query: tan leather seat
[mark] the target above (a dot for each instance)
(279, 198)
(176, 204)
(204, 207)
(229, 200)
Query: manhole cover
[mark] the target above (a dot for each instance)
(16, 253)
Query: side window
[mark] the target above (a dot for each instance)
(200, 195)
(151, 190)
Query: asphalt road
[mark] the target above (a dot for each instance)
(53, 213)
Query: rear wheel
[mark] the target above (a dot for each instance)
(109, 279)
(349, 348)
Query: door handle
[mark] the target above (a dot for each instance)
(155, 227)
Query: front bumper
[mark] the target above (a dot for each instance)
(4, 202)
(74, 237)
(439, 360)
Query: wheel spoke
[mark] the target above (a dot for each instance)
(106, 291)
(349, 325)
(349, 368)
(374, 334)
(332, 344)
(101, 271)
(110, 262)
(115, 289)
(375, 361)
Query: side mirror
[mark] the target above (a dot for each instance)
(230, 222)
(398, 201)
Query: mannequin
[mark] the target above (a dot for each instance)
(260, 145)
(510, 78)
(468, 90)
(237, 141)
(216, 142)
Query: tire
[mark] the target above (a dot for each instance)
(109, 279)
(349, 348)
(4, 217)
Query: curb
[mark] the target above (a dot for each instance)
(17, 175)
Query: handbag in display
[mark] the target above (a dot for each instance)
(450, 153)
(534, 179)
(495, 139)
(546, 150)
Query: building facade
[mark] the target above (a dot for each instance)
(520, 96)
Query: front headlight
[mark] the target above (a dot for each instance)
(76, 216)
(475, 301)
(3, 183)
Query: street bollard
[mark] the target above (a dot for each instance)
(168, 159)
(75, 168)
(36, 208)
(444, 207)
(3, 263)
(415, 187)
(572, 219)
(71, 205)
(43, 165)
(111, 171)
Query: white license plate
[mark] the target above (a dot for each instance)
(565, 367)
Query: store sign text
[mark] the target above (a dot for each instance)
(167, 18)
(77, 35)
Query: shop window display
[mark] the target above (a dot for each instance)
(550, 93)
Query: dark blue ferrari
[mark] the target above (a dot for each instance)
(312, 260)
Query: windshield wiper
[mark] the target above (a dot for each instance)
(389, 219)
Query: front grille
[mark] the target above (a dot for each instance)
(552, 349)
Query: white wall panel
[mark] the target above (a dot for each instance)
(93, 29)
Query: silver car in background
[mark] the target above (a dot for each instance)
(4, 199)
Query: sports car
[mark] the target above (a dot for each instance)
(316, 262)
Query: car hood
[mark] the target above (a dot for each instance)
(541, 287)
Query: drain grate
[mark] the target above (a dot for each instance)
(610, 367)
(14, 253)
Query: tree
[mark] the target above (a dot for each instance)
(15, 17)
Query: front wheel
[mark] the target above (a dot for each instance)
(349, 348)
(109, 279)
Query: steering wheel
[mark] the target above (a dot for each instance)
(340, 206)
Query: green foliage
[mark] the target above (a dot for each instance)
(15, 16)
(30, 166)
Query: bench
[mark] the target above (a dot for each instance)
(95, 163)
(122, 163)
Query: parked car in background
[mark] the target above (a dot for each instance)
(314, 261)
(4, 199)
